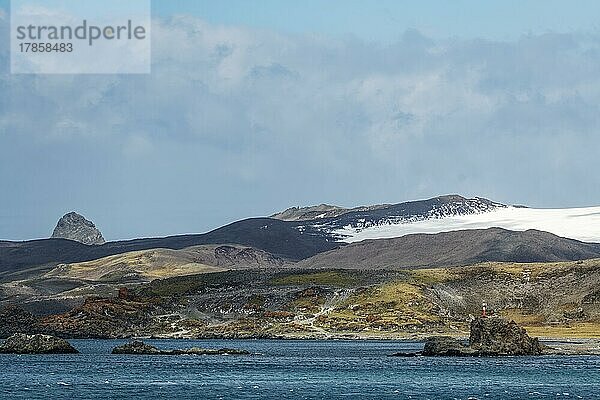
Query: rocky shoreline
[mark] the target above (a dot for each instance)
(433, 346)
(298, 304)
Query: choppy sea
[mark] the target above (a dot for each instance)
(294, 369)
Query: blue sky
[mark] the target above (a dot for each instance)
(386, 20)
(252, 107)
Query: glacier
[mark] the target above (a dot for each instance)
(575, 223)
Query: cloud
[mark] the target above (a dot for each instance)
(262, 120)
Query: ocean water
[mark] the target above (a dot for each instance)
(293, 370)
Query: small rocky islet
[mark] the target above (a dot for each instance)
(489, 337)
(137, 347)
(21, 343)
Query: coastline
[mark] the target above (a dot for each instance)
(555, 346)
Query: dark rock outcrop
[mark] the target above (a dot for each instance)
(137, 347)
(489, 337)
(314, 212)
(75, 227)
(14, 319)
(237, 256)
(446, 346)
(102, 318)
(500, 337)
(21, 343)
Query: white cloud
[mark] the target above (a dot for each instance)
(307, 119)
(137, 146)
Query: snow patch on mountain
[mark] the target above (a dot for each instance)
(576, 223)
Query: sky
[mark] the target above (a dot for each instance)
(256, 106)
(385, 20)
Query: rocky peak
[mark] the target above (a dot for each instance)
(75, 227)
(310, 213)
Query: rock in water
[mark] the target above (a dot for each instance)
(207, 352)
(75, 227)
(498, 336)
(489, 337)
(446, 346)
(21, 343)
(140, 348)
(135, 347)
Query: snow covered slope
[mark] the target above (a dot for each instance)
(575, 223)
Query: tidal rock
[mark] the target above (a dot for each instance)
(224, 351)
(136, 347)
(489, 337)
(140, 348)
(446, 346)
(500, 337)
(75, 227)
(407, 354)
(21, 343)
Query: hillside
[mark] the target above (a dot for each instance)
(145, 265)
(301, 233)
(280, 238)
(454, 248)
(549, 299)
(293, 238)
(67, 284)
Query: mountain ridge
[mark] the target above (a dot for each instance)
(454, 248)
(326, 211)
(294, 240)
(273, 236)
